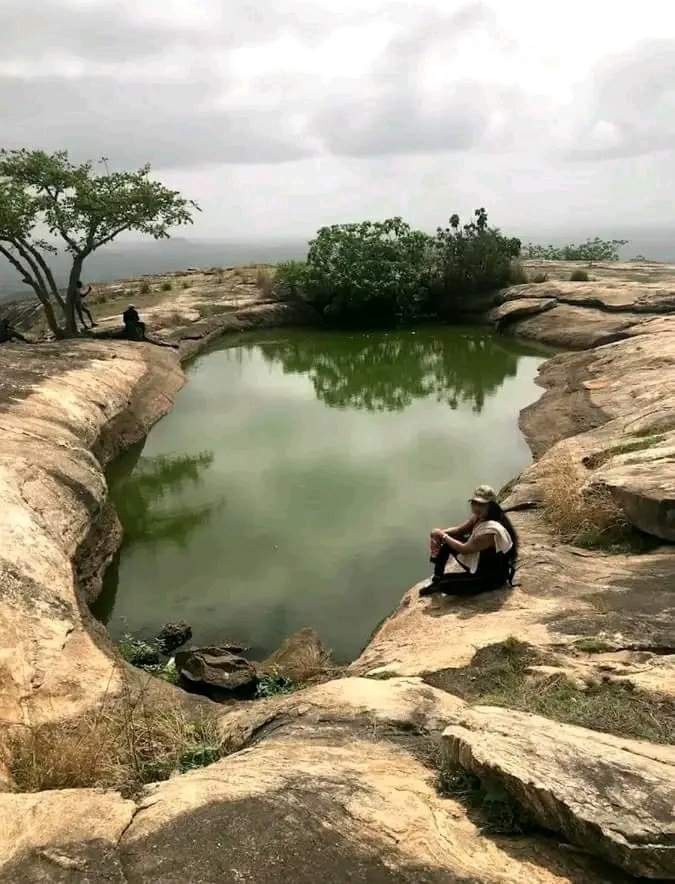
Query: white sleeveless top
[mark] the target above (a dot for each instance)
(503, 542)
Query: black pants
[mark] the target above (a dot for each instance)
(491, 573)
(134, 331)
(81, 310)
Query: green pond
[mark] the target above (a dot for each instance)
(296, 480)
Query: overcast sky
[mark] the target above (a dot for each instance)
(278, 117)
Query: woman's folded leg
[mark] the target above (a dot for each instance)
(457, 584)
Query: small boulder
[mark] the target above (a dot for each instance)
(173, 635)
(217, 671)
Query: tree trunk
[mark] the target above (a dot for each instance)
(71, 296)
(38, 287)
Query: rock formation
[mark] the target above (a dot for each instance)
(339, 781)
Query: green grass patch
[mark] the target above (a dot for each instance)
(594, 461)
(138, 652)
(617, 539)
(272, 684)
(498, 676)
(579, 276)
(593, 645)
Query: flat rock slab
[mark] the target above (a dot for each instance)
(518, 308)
(69, 835)
(612, 796)
(574, 327)
(608, 295)
(646, 491)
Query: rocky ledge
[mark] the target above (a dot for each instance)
(340, 781)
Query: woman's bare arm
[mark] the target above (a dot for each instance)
(474, 544)
(464, 528)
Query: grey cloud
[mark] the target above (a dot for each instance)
(393, 114)
(110, 32)
(390, 111)
(629, 108)
(402, 122)
(134, 123)
(103, 33)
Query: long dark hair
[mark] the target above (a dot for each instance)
(496, 514)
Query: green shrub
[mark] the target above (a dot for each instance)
(384, 272)
(367, 273)
(579, 276)
(138, 652)
(145, 288)
(470, 260)
(167, 286)
(592, 250)
(540, 277)
(291, 279)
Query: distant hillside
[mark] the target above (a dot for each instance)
(132, 259)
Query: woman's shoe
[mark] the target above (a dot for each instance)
(430, 587)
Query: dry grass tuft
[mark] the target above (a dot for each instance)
(301, 658)
(517, 274)
(169, 320)
(125, 744)
(579, 513)
(264, 280)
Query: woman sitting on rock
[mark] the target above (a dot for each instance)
(484, 548)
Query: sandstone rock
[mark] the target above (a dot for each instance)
(331, 784)
(217, 669)
(574, 327)
(610, 295)
(69, 835)
(612, 796)
(173, 635)
(646, 492)
(341, 772)
(57, 402)
(518, 308)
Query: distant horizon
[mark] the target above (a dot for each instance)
(136, 257)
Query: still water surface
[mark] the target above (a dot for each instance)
(296, 480)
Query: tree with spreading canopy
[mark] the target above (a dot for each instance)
(46, 201)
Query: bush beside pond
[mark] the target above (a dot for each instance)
(380, 273)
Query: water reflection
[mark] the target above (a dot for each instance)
(335, 454)
(138, 499)
(388, 372)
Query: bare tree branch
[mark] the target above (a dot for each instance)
(41, 294)
(45, 269)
